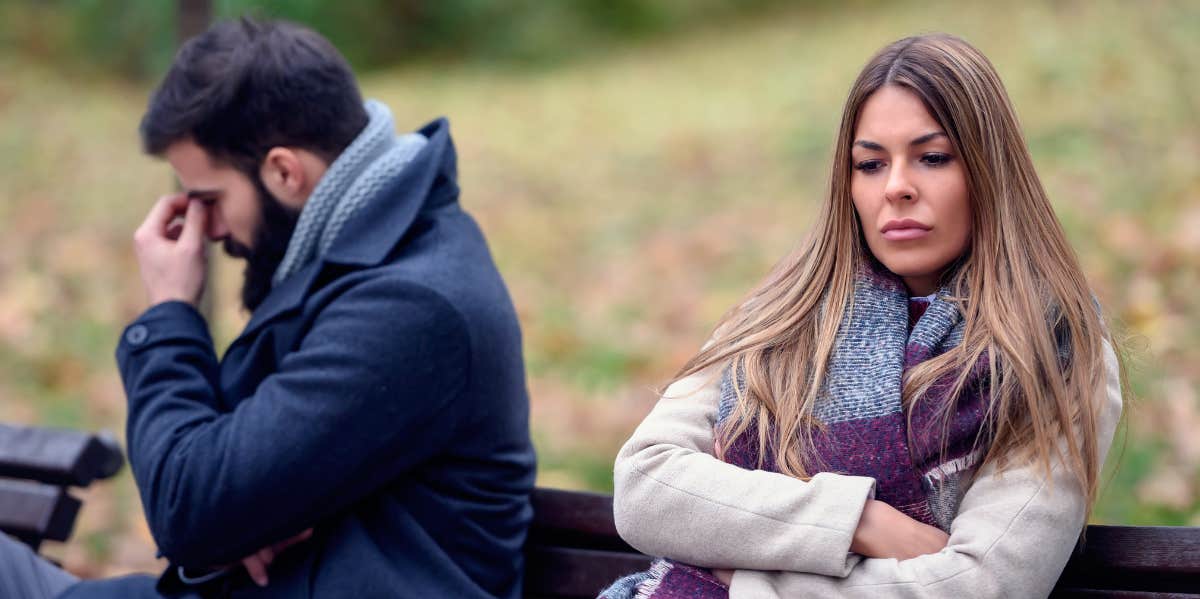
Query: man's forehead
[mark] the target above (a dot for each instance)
(195, 170)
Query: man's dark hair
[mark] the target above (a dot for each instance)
(243, 87)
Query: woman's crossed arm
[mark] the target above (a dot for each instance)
(786, 537)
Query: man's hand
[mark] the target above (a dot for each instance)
(884, 531)
(173, 263)
(256, 563)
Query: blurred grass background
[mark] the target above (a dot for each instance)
(637, 166)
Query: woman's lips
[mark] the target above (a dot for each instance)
(904, 230)
(905, 234)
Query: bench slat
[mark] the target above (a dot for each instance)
(1098, 594)
(1159, 549)
(579, 552)
(576, 519)
(1125, 559)
(564, 573)
(34, 512)
(57, 456)
(576, 511)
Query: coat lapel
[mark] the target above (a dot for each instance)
(371, 234)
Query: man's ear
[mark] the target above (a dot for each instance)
(291, 174)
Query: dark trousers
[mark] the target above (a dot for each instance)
(24, 574)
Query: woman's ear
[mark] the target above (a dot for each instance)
(291, 175)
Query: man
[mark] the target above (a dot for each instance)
(367, 434)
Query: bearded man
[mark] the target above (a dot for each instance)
(367, 433)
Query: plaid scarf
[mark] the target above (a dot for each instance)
(866, 430)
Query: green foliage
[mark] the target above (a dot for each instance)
(132, 38)
(630, 197)
(136, 38)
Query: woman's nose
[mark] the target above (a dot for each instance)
(899, 187)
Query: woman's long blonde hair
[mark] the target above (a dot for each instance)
(1019, 287)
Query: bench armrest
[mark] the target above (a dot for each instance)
(58, 456)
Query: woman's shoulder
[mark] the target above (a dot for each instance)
(1112, 405)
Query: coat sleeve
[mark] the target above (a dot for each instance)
(368, 394)
(1013, 535)
(672, 498)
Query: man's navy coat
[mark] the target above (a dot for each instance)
(377, 396)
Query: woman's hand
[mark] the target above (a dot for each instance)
(884, 531)
(725, 576)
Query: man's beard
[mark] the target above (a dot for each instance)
(270, 244)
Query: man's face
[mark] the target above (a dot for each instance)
(243, 215)
(235, 213)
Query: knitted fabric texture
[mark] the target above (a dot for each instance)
(369, 162)
(866, 430)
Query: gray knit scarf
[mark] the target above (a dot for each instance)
(366, 165)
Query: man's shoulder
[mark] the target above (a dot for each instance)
(389, 290)
(448, 262)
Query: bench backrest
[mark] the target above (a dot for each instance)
(573, 549)
(37, 466)
(574, 552)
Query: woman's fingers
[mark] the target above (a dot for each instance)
(937, 539)
(885, 532)
(725, 576)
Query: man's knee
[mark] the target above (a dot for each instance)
(24, 574)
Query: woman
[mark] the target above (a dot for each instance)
(916, 403)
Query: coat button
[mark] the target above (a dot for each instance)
(137, 334)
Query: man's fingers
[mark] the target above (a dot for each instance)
(256, 569)
(194, 224)
(164, 210)
(256, 565)
(300, 538)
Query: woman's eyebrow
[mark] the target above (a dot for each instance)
(870, 145)
(928, 137)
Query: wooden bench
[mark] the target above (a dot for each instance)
(38, 466)
(573, 549)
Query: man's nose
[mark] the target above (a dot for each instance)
(216, 226)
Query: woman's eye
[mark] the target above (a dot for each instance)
(936, 159)
(868, 166)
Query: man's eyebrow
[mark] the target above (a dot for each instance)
(203, 194)
(870, 145)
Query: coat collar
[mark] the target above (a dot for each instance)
(429, 181)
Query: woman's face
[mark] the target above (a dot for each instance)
(909, 189)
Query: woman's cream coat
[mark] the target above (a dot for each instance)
(787, 538)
